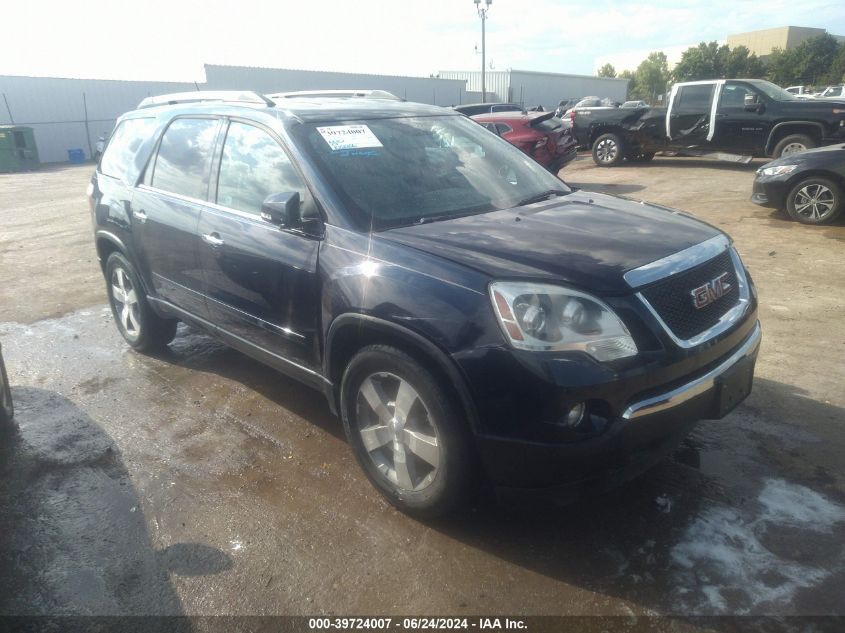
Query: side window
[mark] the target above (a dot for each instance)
(503, 128)
(124, 144)
(695, 99)
(491, 127)
(733, 96)
(253, 167)
(184, 157)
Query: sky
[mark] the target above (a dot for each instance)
(158, 40)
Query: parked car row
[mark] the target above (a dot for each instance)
(734, 119)
(808, 92)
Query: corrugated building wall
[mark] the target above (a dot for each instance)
(56, 107)
(537, 88)
(268, 80)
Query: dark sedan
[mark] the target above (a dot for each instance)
(809, 185)
(6, 409)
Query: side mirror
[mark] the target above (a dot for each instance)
(751, 103)
(281, 208)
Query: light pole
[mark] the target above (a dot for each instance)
(483, 6)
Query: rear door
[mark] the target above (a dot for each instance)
(166, 211)
(689, 115)
(261, 279)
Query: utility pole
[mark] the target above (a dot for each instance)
(482, 13)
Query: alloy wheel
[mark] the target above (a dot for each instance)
(126, 306)
(793, 148)
(815, 202)
(607, 150)
(397, 431)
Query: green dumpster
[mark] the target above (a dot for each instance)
(17, 149)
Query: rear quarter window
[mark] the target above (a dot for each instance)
(124, 145)
(183, 163)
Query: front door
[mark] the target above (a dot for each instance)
(261, 279)
(689, 117)
(737, 129)
(166, 211)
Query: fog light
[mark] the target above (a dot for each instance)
(574, 416)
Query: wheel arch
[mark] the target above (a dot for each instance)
(108, 243)
(597, 131)
(351, 332)
(815, 173)
(813, 129)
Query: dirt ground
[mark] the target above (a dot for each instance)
(200, 482)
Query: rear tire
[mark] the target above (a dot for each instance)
(608, 150)
(406, 432)
(142, 328)
(793, 144)
(815, 201)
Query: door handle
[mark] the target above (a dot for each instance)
(213, 239)
(140, 215)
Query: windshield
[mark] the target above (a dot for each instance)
(772, 91)
(395, 172)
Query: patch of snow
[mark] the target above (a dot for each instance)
(722, 549)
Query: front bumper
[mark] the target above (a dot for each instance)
(649, 427)
(769, 192)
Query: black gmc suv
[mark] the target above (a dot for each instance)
(464, 311)
(733, 119)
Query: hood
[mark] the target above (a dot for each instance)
(827, 154)
(588, 241)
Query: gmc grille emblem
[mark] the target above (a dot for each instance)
(711, 291)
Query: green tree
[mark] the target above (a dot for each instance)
(629, 75)
(741, 62)
(650, 78)
(607, 71)
(705, 61)
(709, 60)
(815, 61)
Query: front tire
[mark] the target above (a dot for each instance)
(793, 144)
(815, 201)
(142, 328)
(406, 431)
(608, 150)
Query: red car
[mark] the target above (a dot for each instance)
(541, 135)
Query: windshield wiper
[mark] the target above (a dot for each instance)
(539, 197)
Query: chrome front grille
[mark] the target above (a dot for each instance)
(672, 298)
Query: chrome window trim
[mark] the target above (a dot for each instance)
(677, 262)
(727, 320)
(697, 386)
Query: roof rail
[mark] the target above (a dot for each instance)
(234, 96)
(366, 94)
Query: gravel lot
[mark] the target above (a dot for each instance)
(200, 482)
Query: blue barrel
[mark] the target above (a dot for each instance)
(76, 156)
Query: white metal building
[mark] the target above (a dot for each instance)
(536, 88)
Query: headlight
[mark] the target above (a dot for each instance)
(542, 317)
(778, 170)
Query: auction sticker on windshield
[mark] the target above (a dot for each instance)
(349, 137)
